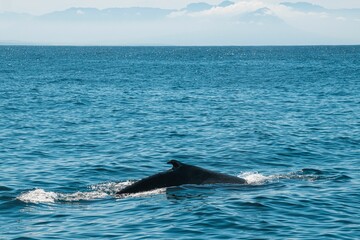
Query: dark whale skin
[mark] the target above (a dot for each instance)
(180, 174)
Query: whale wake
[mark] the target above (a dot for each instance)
(109, 189)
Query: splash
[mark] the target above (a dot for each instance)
(42, 196)
(38, 196)
(110, 188)
(254, 177)
(144, 194)
(97, 191)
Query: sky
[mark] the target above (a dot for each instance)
(45, 6)
(246, 22)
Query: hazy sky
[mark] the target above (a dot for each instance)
(45, 6)
(247, 22)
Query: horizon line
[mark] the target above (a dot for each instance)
(166, 45)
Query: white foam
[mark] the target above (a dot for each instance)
(144, 194)
(97, 191)
(42, 196)
(254, 177)
(110, 187)
(78, 196)
(38, 196)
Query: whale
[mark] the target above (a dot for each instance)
(180, 174)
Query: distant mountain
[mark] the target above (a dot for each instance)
(260, 16)
(72, 14)
(354, 13)
(309, 7)
(10, 16)
(136, 13)
(149, 26)
(197, 7)
(110, 14)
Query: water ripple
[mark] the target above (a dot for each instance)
(79, 123)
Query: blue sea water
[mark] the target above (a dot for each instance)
(78, 124)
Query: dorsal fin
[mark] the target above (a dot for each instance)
(176, 164)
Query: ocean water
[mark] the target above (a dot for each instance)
(78, 124)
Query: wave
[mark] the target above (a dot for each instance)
(109, 189)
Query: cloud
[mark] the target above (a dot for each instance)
(341, 19)
(303, 6)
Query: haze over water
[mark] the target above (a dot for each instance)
(79, 123)
(184, 23)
